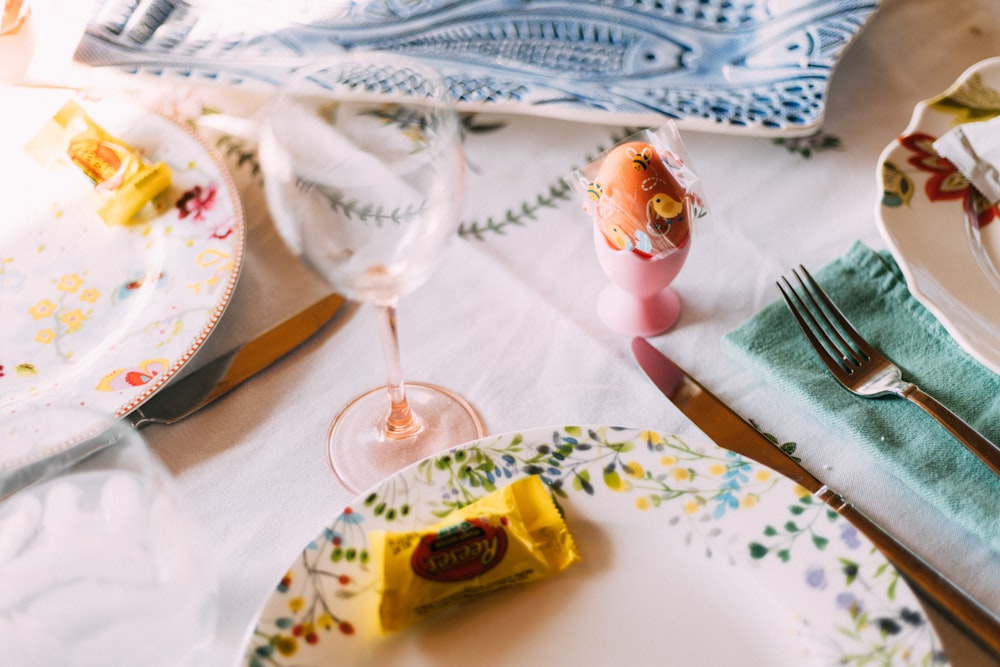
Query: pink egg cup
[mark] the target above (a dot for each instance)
(639, 300)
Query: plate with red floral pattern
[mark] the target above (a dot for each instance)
(942, 232)
(97, 314)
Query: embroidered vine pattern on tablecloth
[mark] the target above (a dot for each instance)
(551, 198)
(554, 195)
(808, 146)
(237, 152)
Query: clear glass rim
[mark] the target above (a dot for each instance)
(441, 102)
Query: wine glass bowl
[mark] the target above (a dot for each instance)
(365, 184)
(363, 171)
(102, 559)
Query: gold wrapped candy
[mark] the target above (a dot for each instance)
(125, 181)
(514, 535)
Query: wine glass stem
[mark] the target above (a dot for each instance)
(401, 422)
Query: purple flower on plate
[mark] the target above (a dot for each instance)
(849, 602)
(816, 578)
(849, 535)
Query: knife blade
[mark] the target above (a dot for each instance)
(730, 431)
(188, 394)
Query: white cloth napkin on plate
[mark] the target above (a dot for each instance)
(974, 148)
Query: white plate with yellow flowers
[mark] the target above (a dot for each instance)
(97, 313)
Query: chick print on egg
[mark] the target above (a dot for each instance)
(662, 212)
(639, 243)
(665, 206)
(640, 206)
(617, 238)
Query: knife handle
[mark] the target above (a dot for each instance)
(980, 623)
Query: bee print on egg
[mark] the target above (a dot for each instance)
(640, 159)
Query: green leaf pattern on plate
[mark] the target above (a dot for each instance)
(846, 597)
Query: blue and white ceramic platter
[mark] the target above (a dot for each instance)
(758, 67)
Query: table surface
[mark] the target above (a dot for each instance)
(508, 320)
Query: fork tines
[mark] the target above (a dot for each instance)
(833, 336)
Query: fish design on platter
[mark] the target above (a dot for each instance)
(581, 50)
(741, 63)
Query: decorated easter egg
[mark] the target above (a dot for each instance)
(641, 207)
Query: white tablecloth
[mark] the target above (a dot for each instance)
(509, 322)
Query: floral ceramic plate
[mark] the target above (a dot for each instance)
(739, 66)
(690, 555)
(103, 315)
(942, 232)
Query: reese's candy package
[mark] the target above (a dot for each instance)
(125, 181)
(514, 535)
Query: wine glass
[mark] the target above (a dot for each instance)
(363, 171)
(102, 560)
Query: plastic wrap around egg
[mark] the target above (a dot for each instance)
(637, 203)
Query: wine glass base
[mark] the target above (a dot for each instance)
(362, 456)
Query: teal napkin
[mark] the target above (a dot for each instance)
(871, 291)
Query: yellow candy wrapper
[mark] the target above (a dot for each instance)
(514, 535)
(125, 181)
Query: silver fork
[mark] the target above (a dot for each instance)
(864, 370)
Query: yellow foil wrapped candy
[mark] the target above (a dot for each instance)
(514, 535)
(125, 181)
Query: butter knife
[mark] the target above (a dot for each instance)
(188, 394)
(730, 431)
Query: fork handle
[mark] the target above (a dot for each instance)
(973, 440)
